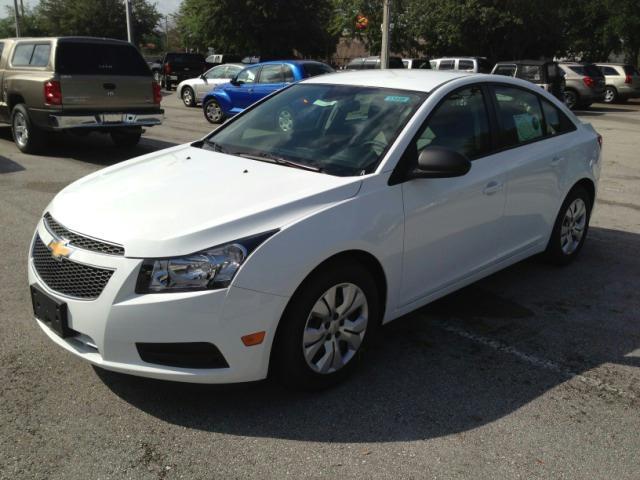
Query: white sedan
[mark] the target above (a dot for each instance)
(193, 90)
(257, 250)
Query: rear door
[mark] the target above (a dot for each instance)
(103, 76)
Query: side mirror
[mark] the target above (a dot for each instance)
(235, 82)
(438, 162)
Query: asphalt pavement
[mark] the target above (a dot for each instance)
(531, 373)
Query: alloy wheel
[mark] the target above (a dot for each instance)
(213, 112)
(335, 328)
(187, 97)
(20, 129)
(570, 99)
(609, 95)
(573, 226)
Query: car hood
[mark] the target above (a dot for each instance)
(186, 199)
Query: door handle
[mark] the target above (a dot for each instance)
(492, 187)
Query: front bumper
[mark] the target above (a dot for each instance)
(110, 326)
(104, 120)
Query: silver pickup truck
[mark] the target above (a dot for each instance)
(77, 84)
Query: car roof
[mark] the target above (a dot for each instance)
(524, 62)
(277, 62)
(402, 79)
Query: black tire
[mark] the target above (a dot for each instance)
(289, 363)
(27, 137)
(571, 99)
(188, 97)
(610, 95)
(166, 83)
(213, 112)
(126, 137)
(555, 253)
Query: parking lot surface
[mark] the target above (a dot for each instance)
(533, 372)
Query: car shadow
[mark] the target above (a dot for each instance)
(466, 360)
(9, 166)
(92, 148)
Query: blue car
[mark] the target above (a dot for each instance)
(256, 82)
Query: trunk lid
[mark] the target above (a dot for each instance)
(103, 76)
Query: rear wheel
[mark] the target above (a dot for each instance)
(27, 137)
(327, 324)
(571, 227)
(610, 95)
(212, 111)
(188, 97)
(126, 137)
(571, 99)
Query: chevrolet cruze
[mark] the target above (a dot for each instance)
(260, 250)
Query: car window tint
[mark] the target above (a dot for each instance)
(609, 71)
(460, 123)
(40, 57)
(630, 70)
(22, 54)
(75, 58)
(288, 74)
(271, 74)
(465, 65)
(532, 73)
(446, 65)
(506, 70)
(556, 121)
(248, 75)
(519, 116)
(314, 69)
(216, 72)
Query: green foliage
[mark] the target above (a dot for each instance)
(266, 27)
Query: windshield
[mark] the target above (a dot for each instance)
(336, 129)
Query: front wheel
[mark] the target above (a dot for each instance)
(213, 112)
(188, 97)
(327, 324)
(570, 229)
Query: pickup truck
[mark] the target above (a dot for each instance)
(75, 84)
(178, 66)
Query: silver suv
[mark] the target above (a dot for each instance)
(623, 82)
(584, 84)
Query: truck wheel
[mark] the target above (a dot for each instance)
(27, 137)
(126, 137)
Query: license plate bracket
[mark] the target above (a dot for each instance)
(51, 311)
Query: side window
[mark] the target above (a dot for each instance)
(40, 57)
(610, 71)
(248, 75)
(22, 54)
(271, 74)
(519, 115)
(215, 72)
(506, 70)
(446, 65)
(465, 65)
(533, 73)
(460, 123)
(556, 121)
(288, 74)
(231, 72)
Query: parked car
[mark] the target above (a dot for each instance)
(585, 84)
(622, 82)
(370, 63)
(193, 90)
(545, 74)
(394, 188)
(75, 84)
(465, 64)
(155, 65)
(416, 63)
(256, 82)
(178, 66)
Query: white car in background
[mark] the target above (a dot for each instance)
(258, 250)
(193, 90)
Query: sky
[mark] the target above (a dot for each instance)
(164, 6)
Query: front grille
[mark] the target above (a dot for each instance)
(68, 277)
(80, 241)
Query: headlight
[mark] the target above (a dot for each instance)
(206, 270)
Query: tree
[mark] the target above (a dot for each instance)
(96, 18)
(265, 27)
(28, 24)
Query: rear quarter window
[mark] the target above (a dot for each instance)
(31, 55)
(100, 59)
(556, 122)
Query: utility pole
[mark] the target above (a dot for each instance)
(15, 13)
(386, 19)
(166, 30)
(127, 4)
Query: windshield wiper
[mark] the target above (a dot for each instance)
(268, 157)
(211, 145)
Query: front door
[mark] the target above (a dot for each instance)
(454, 227)
(241, 93)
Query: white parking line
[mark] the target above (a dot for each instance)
(534, 360)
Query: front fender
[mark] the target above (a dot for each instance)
(221, 97)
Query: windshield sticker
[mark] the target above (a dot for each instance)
(324, 103)
(396, 99)
(528, 127)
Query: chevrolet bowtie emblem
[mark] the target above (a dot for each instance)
(59, 249)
